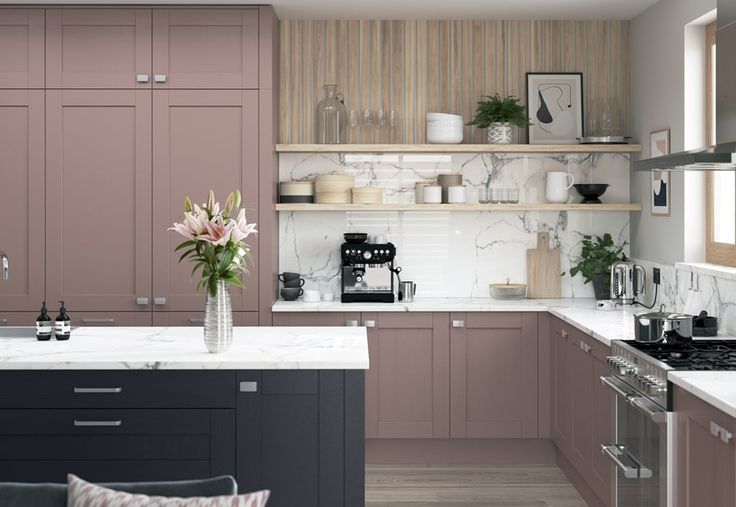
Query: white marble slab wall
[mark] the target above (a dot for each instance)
(451, 254)
(690, 289)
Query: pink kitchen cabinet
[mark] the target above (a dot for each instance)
(581, 437)
(493, 375)
(205, 48)
(412, 369)
(21, 48)
(98, 199)
(704, 454)
(197, 319)
(108, 319)
(561, 386)
(18, 318)
(22, 197)
(98, 48)
(203, 140)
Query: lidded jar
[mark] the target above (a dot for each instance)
(332, 117)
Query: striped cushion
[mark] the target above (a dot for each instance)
(85, 494)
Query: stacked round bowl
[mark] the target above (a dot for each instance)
(334, 188)
(443, 128)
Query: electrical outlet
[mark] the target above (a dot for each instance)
(656, 278)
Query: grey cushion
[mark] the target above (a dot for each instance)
(17, 494)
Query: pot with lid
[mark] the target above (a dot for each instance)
(663, 327)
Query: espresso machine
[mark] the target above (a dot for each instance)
(628, 281)
(367, 272)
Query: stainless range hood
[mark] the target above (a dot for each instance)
(722, 156)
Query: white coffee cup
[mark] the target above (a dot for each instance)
(432, 194)
(328, 296)
(311, 296)
(558, 186)
(456, 194)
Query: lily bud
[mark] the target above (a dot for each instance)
(237, 198)
(211, 200)
(229, 204)
(187, 205)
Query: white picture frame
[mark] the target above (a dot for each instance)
(659, 143)
(661, 193)
(555, 107)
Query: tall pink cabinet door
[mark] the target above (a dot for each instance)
(21, 48)
(202, 140)
(98, 48)
(98, 191)
(493, 375)
(22, 197)
(205, 48)
(412, 372)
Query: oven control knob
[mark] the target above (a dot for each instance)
(625, 368)
(367, 255)
(656, 388)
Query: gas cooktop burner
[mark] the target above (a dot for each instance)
(697, 355)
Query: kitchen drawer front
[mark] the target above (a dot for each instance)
(18, 318)
(110, 319)
(197, 441)
(197, 319)
(117, 389)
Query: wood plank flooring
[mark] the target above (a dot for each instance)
(469, 486)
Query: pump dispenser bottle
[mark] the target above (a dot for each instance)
(63, 325)
(44, 325)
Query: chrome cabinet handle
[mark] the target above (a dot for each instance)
(633, 469)
(196, 320)
(585, 347)
(351, 323)
(97, 424)
(142, 78)
(159, 301)
(458, 323)
(249, 387)
(86, 320)
(141, 301)
(98, 390)
(159, 78)
(720, 432)
(564, 333)
(369, 323)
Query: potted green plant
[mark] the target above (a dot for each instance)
(498, 116)
(595, 260)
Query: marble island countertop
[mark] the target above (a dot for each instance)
(182, 348)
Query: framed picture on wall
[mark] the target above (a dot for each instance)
(661, 193)
(555, 102)
(659, 143)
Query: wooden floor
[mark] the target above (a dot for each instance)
(469, 486)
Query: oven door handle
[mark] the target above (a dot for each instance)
(633, 398)
(632, 470)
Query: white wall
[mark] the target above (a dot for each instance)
(658, 47)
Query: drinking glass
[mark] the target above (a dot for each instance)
(484, 195)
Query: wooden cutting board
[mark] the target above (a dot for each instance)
(543, 269)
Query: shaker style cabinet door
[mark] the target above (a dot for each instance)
(98, 195)
(561, 386)
(22, 197)
(202, 140)
(98, 48)
(205, 48)
(21, 48)
(493, 375)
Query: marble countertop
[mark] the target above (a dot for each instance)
(717, 388)
(182, 348)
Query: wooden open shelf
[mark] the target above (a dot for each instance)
(461, 207)
(458, 148)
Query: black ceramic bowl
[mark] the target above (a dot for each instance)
(355, 238)
(591, 192)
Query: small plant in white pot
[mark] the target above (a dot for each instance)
(498, 116)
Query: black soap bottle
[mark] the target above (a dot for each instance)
(44, 325)
(62, 326)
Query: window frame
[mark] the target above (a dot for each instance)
(715, 253)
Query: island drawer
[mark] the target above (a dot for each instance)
(68, 441)
(118, 389)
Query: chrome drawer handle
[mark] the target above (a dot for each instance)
(98, 390)
(369, 323)
(458, 323)
(720, 432)
(141, 301)
(631, 470)
(351, 323)
(194, 320)
(159, 78)
(97, 424)
(142, 78)
(159, 301)
(3, 322)
(564, 333)
(97, 321)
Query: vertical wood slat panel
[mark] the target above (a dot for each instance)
(417, 66)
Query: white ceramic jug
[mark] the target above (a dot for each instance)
(558, 186)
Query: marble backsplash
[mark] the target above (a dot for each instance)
(690, 289)
(451, 254)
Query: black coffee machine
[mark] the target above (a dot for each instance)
(367, 275)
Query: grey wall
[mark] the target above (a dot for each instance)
(657, 49)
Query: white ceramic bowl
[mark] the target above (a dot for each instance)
(441, 133)
(446, 117)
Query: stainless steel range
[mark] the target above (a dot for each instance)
(643, 426)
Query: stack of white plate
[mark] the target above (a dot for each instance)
(443, 128)
(334, 188)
